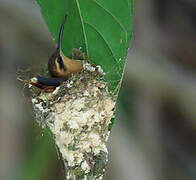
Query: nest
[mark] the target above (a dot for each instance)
(79, 114)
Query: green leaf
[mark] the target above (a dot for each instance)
(102, 28)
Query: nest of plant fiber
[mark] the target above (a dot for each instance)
(79, 114)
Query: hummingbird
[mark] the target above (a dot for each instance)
(60, 67)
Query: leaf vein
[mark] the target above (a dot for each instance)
(93, 27)
(83, 29)
(122, 27)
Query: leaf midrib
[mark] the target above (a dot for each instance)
(84, 32)
(83, 29)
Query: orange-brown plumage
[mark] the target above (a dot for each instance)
(59, 66)
(69, 66)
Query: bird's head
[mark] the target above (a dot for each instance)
(59, 65)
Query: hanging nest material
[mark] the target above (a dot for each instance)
(79, 114)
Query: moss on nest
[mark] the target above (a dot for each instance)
(79, 114)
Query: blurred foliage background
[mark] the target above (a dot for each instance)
(155, 130)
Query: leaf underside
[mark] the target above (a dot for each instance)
(102, 28)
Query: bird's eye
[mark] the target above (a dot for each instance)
(60, 62)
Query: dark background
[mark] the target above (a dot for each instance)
(154, 136)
